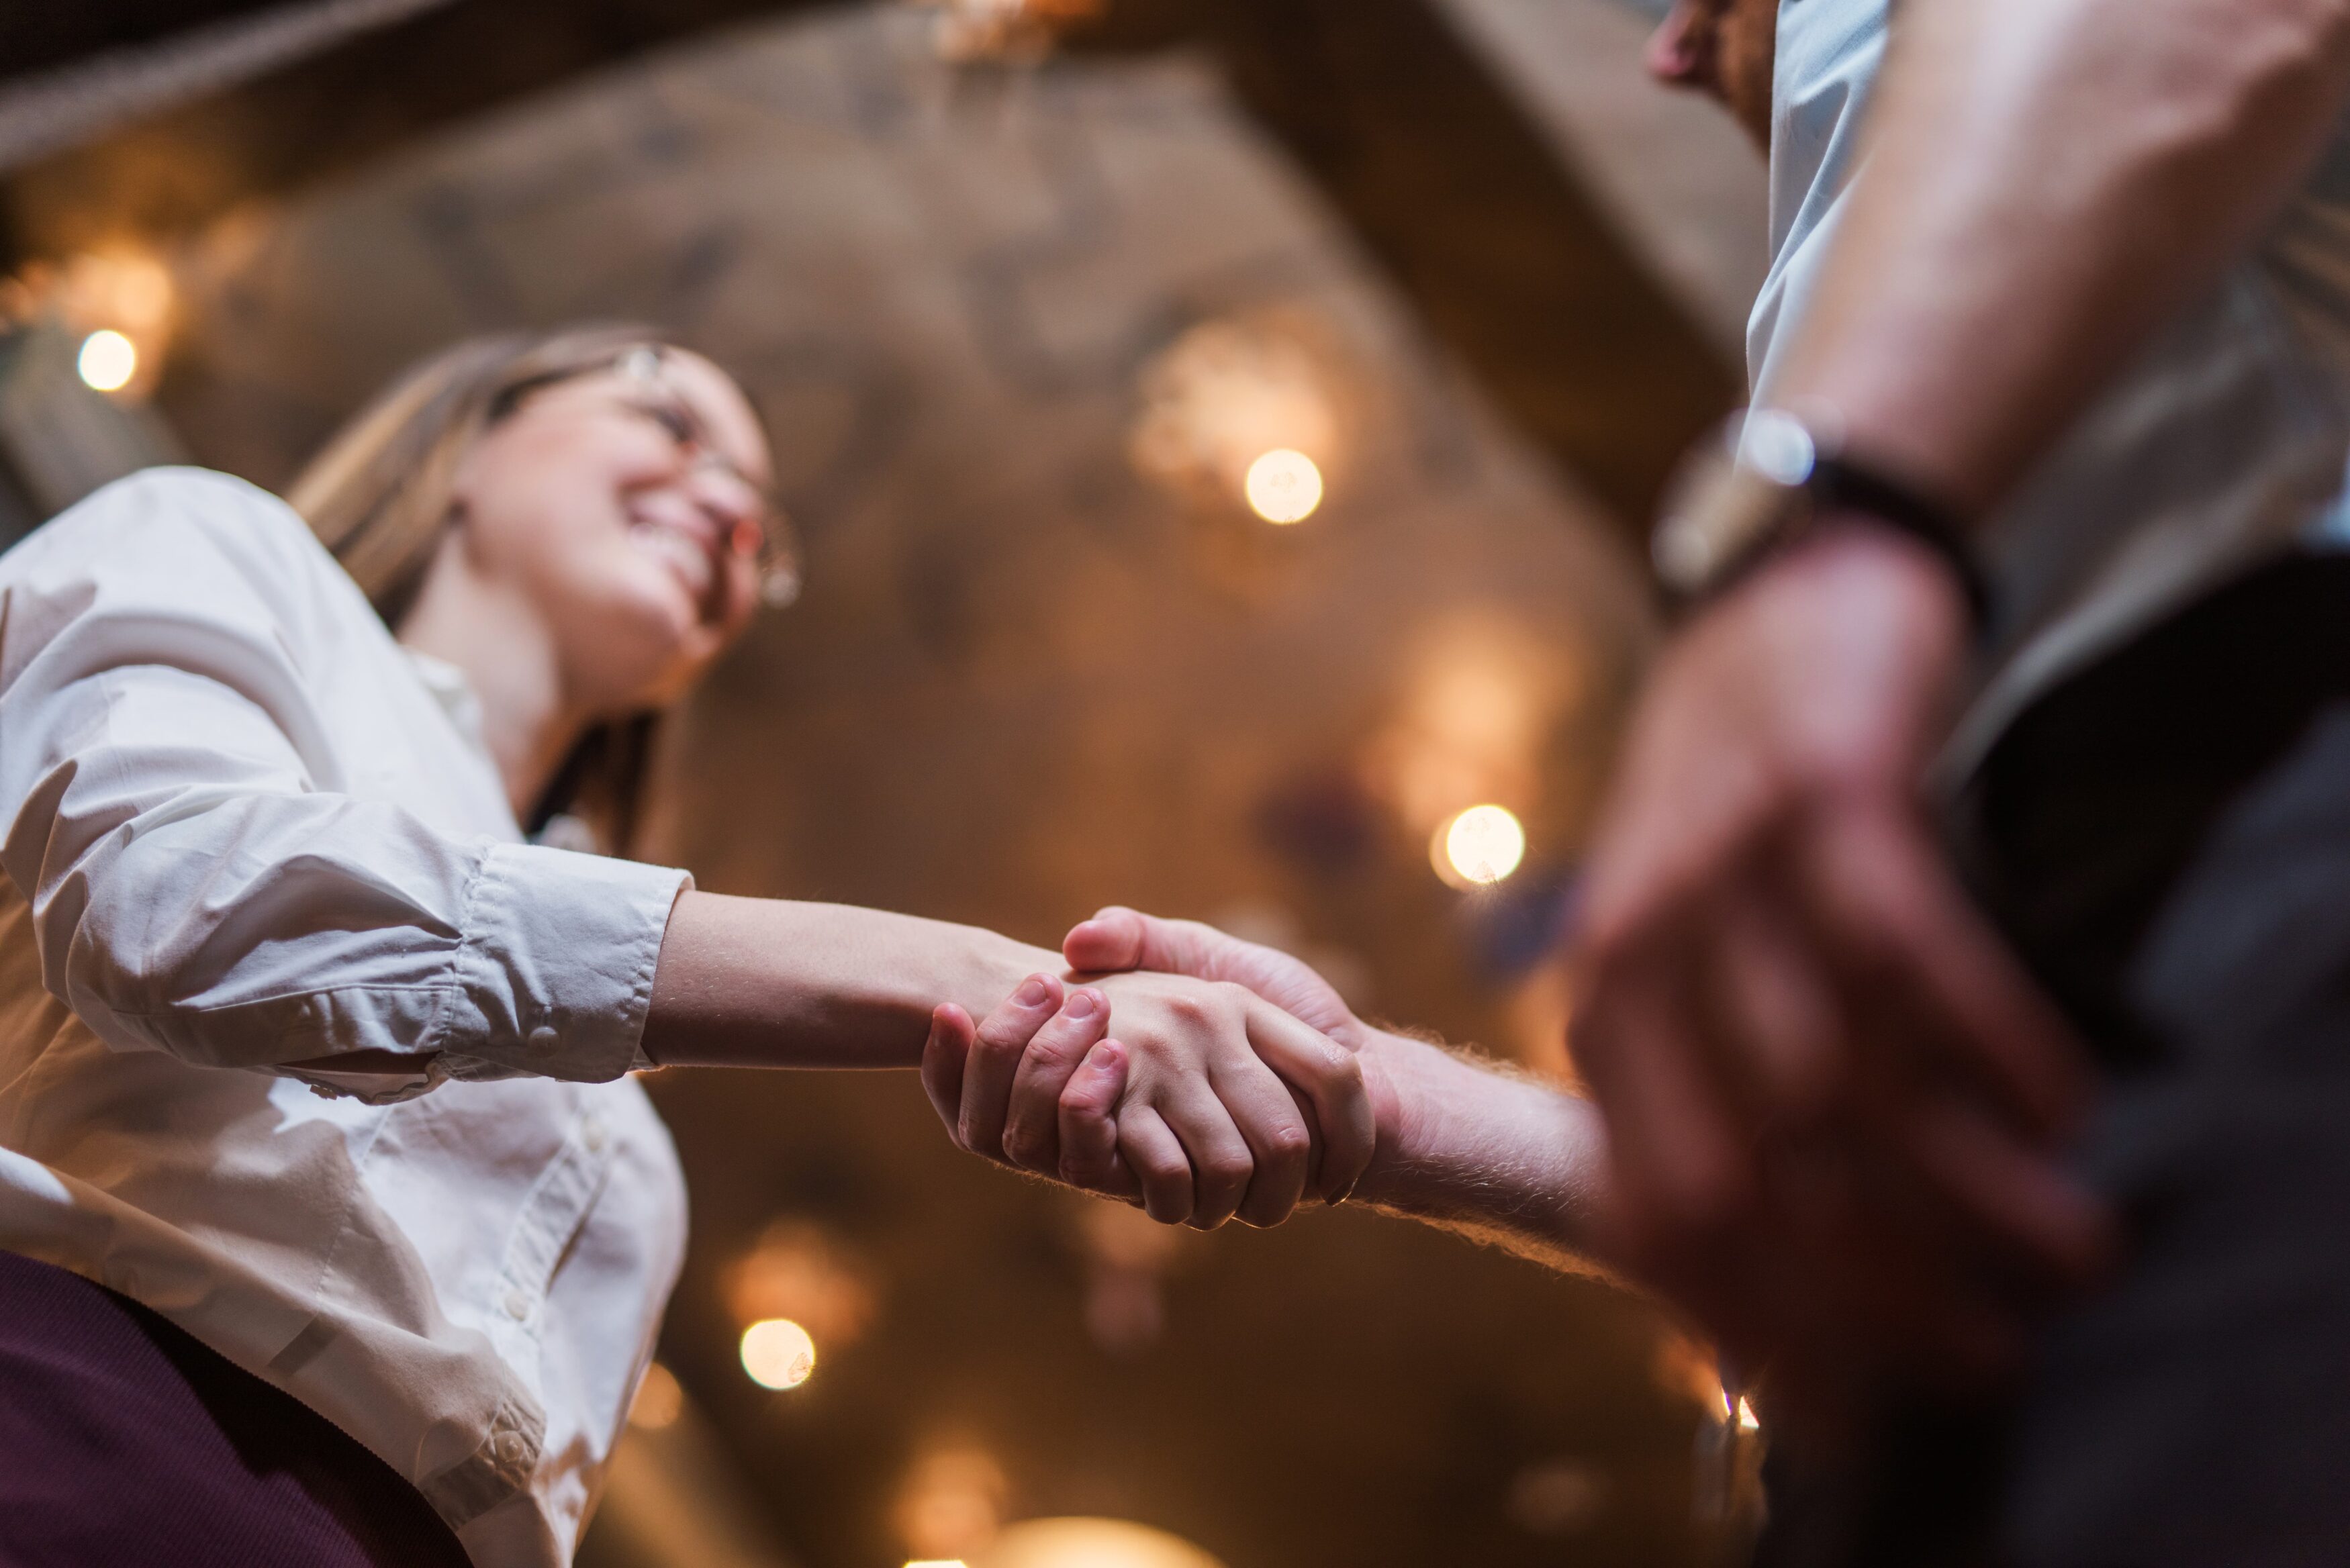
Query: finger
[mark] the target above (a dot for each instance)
(2015, 1195)
(1683, 1170)
(1088, 1117)
(1890, 907)
(1152, 1152)
(1769, 1016)
(1221, 1164)
(943, 1054)
(1003, 1035)
(1281, 1144)
(1330, 1077)
(1031, 1129)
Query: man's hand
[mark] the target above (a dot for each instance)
(1832, 1096)
(1119, 939)
(1229, 1106)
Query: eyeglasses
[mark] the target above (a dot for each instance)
(761, 533)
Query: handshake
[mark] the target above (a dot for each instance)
(1198, 1076)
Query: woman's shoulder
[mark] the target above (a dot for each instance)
(173, 510)
(184, 543)
(183, 530)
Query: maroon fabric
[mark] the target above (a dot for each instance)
(124, 1443)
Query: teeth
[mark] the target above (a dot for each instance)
(677, 546)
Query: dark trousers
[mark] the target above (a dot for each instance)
(2166, 838)
(124, 1443)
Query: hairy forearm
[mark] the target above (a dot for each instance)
(762, 983)
(1481, 1149)
(2049, 179)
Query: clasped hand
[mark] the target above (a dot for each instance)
(1208, 1103)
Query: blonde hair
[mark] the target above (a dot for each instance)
(380, 495)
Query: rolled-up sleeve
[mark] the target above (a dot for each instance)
(204, 880)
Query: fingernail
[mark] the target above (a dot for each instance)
(1033, 993)
(1082, 1004)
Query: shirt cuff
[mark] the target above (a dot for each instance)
(555, 969)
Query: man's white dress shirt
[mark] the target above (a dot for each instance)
(2223, 441)
(245, 829)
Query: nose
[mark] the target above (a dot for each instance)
(1681, 51)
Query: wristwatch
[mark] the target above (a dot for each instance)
(1766, 482)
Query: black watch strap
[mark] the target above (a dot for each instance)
(1840, 486)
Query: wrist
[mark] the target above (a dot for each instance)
(1775, 480)
(990, 967)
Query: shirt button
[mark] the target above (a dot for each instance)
(518, 1304)
(543, 1039)
(591, 1133)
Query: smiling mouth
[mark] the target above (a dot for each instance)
(688, 556)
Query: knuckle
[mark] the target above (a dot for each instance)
(1167, 1171)
(1289, 1141)
(1026, 1144)
(999, 1042)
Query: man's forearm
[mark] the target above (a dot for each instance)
(1483, 1150)
(2048, 180)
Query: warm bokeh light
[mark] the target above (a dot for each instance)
(1283, 486)
(108, 360)
(1089, 1543)
(659, 1402)
(951, 1504)
(777, 1353)
(1748, 1421)
(1479, 847)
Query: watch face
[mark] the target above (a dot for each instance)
(1777, 446)
(1738, 490)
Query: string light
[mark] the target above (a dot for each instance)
(1479, 847)
(778, 1354)
(660, 1400)
(108, 361)
(1283, 486)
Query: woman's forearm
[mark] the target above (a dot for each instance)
(1480, 1149)
(762, 983)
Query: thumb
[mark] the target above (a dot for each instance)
(1112, 942)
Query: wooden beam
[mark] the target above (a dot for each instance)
(1456, 192)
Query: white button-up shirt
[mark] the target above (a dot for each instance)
(2224, 440)
(245, 829)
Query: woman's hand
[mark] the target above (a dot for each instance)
(1223, 1105)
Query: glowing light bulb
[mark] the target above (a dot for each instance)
(1481, 847)
(777, 1353)
(108, 361)
(1283, 486)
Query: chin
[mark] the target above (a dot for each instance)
(641, 655)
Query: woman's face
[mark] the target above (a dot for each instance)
(624, 507)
